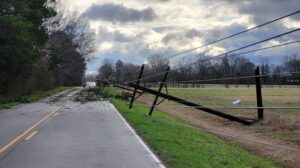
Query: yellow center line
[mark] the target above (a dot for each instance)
(14, 141)
(31, 135)
(55, 114)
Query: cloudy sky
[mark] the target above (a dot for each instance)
(132, 30)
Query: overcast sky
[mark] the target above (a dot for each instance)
(132, 30)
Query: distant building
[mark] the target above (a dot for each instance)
(90, 84)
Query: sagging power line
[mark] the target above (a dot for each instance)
(231, 36)
(202, 108)
(233, 78)
(221, 55)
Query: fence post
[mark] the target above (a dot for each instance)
(159, 90)
(137, 84)
(260, 111)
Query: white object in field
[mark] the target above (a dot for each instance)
(90, 84)
(236, 102)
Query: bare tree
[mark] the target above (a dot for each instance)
(156, 65)
(292, 64)
(202, 66)
(106, 71)
(119, 66)
(265, 69)
(82, 37)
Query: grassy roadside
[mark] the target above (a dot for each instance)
(34, 96)
(182, 146)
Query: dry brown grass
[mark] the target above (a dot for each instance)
(277, 122)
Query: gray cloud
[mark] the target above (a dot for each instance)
(193, 33)
(135, 47)
(163, 0)
(119, 13)
(112, 36)
(267, 9)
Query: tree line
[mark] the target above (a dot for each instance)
(204, 68)
(37, 51)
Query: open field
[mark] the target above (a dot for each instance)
(279, 123)
(279, 127)
(181, 145)
(220, 96)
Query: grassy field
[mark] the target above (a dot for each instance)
(32, 97)
(221, 96)
(181, 145)
(281, 124)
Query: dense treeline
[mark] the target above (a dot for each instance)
(229, 66)
(33, 57)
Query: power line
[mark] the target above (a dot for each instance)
(229, 136)
(233, 35)
(240, 77)
(265, 48)
(232, 136)
(257, 142)
(220, 55)
(228, 107)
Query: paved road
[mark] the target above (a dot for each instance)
(62, 133)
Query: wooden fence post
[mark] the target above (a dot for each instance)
(260, 110)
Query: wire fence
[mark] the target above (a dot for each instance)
(187, 101)
(232, 78)
(222, 134)
(234, 136)
(249, 79)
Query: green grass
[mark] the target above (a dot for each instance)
(221, 96)
(180, 145)
(8, 105)
(215, 91)
(34, 96)
(217, 95)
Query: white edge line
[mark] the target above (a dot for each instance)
(160, 164)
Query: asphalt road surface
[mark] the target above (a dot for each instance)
(59, 132)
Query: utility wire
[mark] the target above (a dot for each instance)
(241, 77)
(232, 136)
(225, 107)
(265, 48)
(229, 136)
(228, 107)
(220, 55)
(257, 142)
(233, 35)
